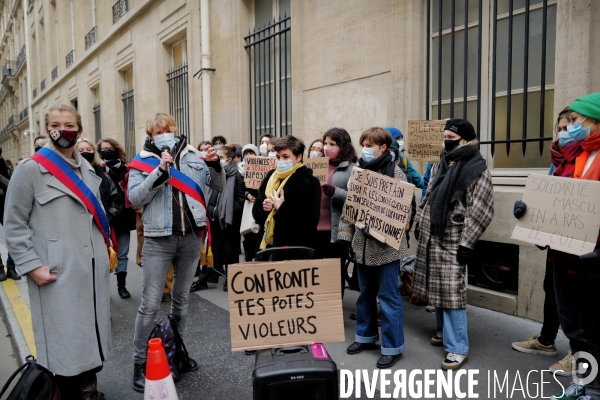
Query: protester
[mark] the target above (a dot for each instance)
(271, 148)
(115, 161)
(174, 222)
(225, 226)
(403, 162)
(576, 278)
(9, 166)
(265, 139)
(377, 264)
(315, 149)
(218, 141)
(289, 198)
(39, 142)
(342, 158)
(239, 159)
(5, 175)
(250, 239)
(563, 152)
(55, 239)
(429, 173)
(203, 147)
(455, 212)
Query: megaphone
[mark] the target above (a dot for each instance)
(159, 382)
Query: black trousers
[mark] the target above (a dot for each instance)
(72, 387)
(326, 249)
(551, 322)
(225, 249)
(250, 243)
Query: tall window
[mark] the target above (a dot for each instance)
(96, 110)
(177, 78)
(94, 17)
(129, 115)
(495, 67)
(270, 63)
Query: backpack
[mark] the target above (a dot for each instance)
(35, 383)
(165, 329)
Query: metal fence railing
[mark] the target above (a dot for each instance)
(70, 58)
(179, 98)
(54, 74)
(90, 38)
(119, 9)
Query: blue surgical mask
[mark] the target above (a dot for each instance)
(564, 138)
(217, 147)
(393, 156)
(166, 139)
(284, 165)
(368, 154)
(577, 132)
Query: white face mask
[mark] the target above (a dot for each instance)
(400, 145)
(203, 153)
(263, 149)
(272, 154)
(166, 139)
(315, 154)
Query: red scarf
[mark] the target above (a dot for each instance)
(564, 159)
(592, 143)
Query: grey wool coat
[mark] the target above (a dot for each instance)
(437, 271)
(339, 179)
(47, 225)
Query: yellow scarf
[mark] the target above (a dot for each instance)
(276, 182)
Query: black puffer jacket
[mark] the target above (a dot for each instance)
(297, 218)
(111, 199)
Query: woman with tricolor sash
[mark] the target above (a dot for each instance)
(289, 200)
(169, 179)
(58, 233)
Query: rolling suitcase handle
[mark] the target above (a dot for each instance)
(290, 350)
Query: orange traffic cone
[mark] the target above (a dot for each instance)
(159, 382)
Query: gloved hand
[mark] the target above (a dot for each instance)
(520, 209)
(328, 190)
(590, 259)
(417, 230)
(464, 255)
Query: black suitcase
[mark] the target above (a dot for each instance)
(302, 372)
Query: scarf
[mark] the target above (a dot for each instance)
(565, 163)
(382, 164)
(225, 206)
(276, 182)
(458, 169)
(589, 145)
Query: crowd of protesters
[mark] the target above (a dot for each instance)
(57, 239)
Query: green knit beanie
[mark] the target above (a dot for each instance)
(588, 106)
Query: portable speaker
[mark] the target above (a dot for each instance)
(301, 372)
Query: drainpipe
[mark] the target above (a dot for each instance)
(205, 43)
(29, 132)
(31, 135)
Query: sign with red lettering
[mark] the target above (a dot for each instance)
(287, 303)
(257, 168)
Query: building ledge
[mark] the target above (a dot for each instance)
(492, 300)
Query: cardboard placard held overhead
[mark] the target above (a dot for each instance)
(287, 303)
(382, 203)
(256, 169)
(319, 167)
(425, 140)
(562, 213)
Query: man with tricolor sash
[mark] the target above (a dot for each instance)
(169, 180)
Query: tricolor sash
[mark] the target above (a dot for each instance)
(178, 180)
(65, 175)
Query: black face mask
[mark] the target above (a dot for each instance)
(451, 144)
(88, 156)
(37, 148)
(109, 154)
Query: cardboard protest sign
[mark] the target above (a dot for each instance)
(425, 140)
(256, 169)
(288, 303)
(384, 205)
(562, 213)
(319, 166)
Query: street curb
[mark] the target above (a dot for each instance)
(16, 335)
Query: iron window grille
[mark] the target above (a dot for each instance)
(23, 114)
(90, 38)
(70, 58)
(9, 68)
(177, 79)
(129, 121)
(43, 85)
(34, 93)
(119, 9)
(516, 60)
(11, 121)
(270, 79)
(54, 74)
(97, 123)
(21, 57)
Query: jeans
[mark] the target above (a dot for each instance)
(380, 281)
(578, 311)
(123, 239)
(551, 323)
(452, 326)
(158, 254)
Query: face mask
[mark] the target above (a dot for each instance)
(37, 148)
(166, 139)
(88, 156)
(564, 138)
(451, 144)
(272, 154)
(62, 138)
(224, 163)
(263, 149)
(108, 154)
(368, 154)
(217, 147)
(393, 156)
(400, 145)
(203, 153)
(315, 154)
(577, 132)
(284, 165)
(332, 152)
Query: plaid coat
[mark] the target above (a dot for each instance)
(437, 269)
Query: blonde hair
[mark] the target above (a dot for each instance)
(61, 108)
(161, 120)
(97, 160)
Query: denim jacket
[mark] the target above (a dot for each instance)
(157, 213)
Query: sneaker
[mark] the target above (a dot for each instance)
(437, 341)
(574, 392)
(454, 361)
(564, 367)
(533, 346)
(430, 309)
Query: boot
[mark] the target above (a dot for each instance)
(139, 377)
(2, 274)
(89, 389)
(123, 293)
(11, 273)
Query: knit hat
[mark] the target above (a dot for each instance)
(588, 106)
(395, 132)
(461, 127)
(251, 147)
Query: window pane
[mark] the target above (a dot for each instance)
(284, 8)
(503, 5)
(459, 13)
(263, 12)
(178, 54)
